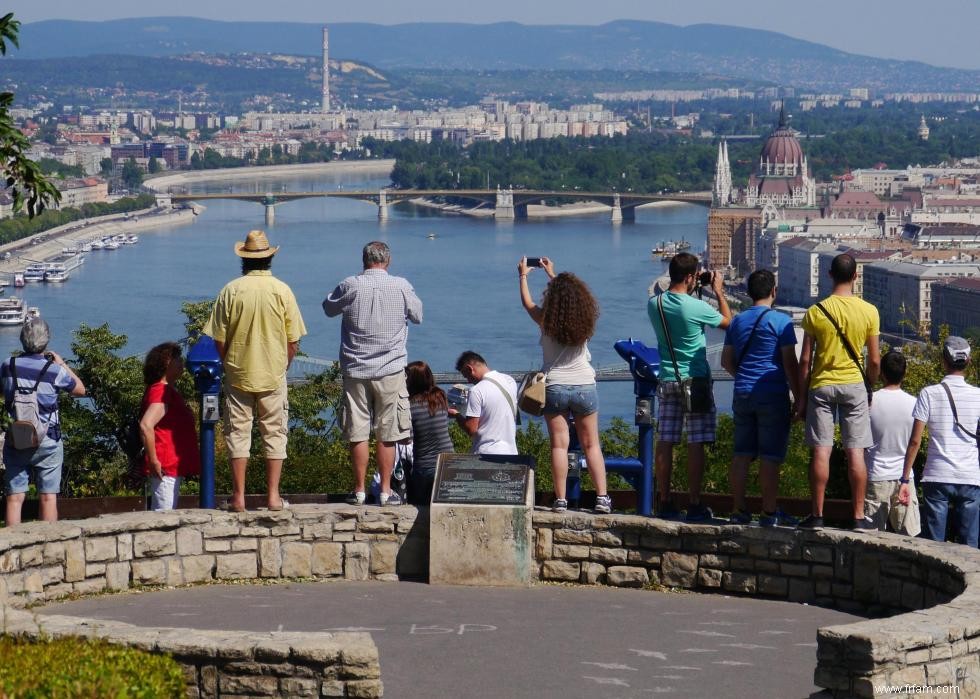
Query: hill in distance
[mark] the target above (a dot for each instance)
(622, 45)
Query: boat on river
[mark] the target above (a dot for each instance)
(132, 239)
(110, 244)
(97, 244)
(55, 272)
(34, 273)
(12, 311)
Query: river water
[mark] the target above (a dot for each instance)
(466, 275)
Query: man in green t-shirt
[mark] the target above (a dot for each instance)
(836, 386)
(686, 319)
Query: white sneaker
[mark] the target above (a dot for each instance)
(356, 498)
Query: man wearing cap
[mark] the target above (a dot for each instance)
(376, 308)
(256, 326)
(951, 410)
(46, 373)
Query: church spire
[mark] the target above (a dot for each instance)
(721, 192)
(782, 115)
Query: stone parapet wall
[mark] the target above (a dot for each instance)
(932, 589)
(42, 562)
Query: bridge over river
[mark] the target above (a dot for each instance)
(508, 204)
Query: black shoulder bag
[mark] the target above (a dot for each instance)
(956, 418)
(696, 394)
(850, 350)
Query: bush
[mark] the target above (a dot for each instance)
(76, 667)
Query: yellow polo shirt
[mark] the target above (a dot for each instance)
(858, 320)
(255, 317)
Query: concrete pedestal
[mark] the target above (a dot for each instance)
(482, 544)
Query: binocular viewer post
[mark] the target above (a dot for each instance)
(644, 366)
(204, 364)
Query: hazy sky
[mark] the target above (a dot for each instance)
(940, 32)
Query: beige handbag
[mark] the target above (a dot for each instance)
(530, 394)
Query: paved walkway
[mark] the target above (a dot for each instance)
(544, 642)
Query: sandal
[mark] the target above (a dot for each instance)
(283, 505)
(227, 506)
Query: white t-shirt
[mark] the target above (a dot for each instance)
(496, 432)
(952, 454)
(566, 366)
(891, 427)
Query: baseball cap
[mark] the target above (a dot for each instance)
(957, 349)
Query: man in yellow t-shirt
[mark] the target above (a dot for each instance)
(256, 326)
(836, 386)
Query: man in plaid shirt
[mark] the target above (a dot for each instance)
(376, 308)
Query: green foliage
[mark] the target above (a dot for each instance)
(50, 166)
(22, 175)
(132, 175)
(77, 668)
(153, 166)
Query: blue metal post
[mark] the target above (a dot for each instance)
(204, 364)
(645, 496)
(207, 465)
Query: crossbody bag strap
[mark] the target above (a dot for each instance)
(670, 345)
(745, 347)
(847, 346)
(956, 418)
(510, 401)
(13, 374)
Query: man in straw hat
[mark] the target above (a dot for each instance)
(256, 326)
(376, 308)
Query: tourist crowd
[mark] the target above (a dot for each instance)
(829, 384)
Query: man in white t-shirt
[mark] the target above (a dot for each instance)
(891, 427)
(951, 409)
(491, 410)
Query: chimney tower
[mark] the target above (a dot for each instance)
(325, 88)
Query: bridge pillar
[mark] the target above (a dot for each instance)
(504, 209)
(382, 205)
(270, 214)
(617, 209)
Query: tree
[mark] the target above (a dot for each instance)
(105, 167)
(28, 185)
(132, 176)
(153, 166)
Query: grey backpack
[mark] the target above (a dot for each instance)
(27, 430)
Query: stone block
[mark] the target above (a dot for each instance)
(246, 544)
(379, 527)
(318, 531)
(296, 560)
(592, 573)
(801, 590)
(941, 673)
(101, 548)
(573, 536)
(383, 557)
(147, 544)
(626, 576)
(649, 558)
(33, 582)
(743, 563)
(607, 539)
(333, 688)
(52, 553)
(730, 546)
(822, 572)
(785, 551)
(357, 561)
(85, 587)
(604, 555)
(10, 560)
(250, 685)
(190, 542)
(561, 570)
(866, 569)
(364, 689)
(795, 570)
(818, 554)
(117, 576)
(678, 569)
(124, 547)
(31, 556)
(773, 585)
(483, 545)
(217, 545)
(571, 552)
(327, 558)
(198, 568)
(739, 582)
(543, 540)
(236, 566)
(93, 569)
(298, 687)
(285, 530)
(220, 531)
(175, 572)
(660, 542)
(708, 577)
(149, 572)
(270, 558)
(347, 525)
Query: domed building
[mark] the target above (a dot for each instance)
(782, 178)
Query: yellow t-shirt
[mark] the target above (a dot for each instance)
(255, 316)
(858, 320)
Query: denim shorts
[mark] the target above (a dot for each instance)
(762, 423)
(46, 461)
(563, 398)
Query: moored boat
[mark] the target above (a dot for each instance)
(55, 272)
(34, 273)
(12, 311)
(132, 239)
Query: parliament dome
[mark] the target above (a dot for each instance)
(782, 148)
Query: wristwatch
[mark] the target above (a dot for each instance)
(903, 480)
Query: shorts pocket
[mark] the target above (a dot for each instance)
(403, 414)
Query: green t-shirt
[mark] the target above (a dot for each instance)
(686, 317)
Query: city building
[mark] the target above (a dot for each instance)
(956, 304)
(923, 129)
(798, 273)
(76, 191)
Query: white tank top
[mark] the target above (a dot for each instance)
(569, 366)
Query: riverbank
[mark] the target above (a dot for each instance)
(166, 182)
(52, 241)
(580, 208)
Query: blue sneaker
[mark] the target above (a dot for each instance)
(740, 517)
(699, 513)
(777, 519)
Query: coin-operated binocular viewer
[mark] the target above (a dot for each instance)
(204, 364)
(644, 365)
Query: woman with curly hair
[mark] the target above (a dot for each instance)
(430, 429)
(567, 317)
(167, 427)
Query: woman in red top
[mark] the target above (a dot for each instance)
(167, 427)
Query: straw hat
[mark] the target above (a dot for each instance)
(255, 245)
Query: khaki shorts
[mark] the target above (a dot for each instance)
(881, 505)
(846, 402)
(272, 410)
(380, 405)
